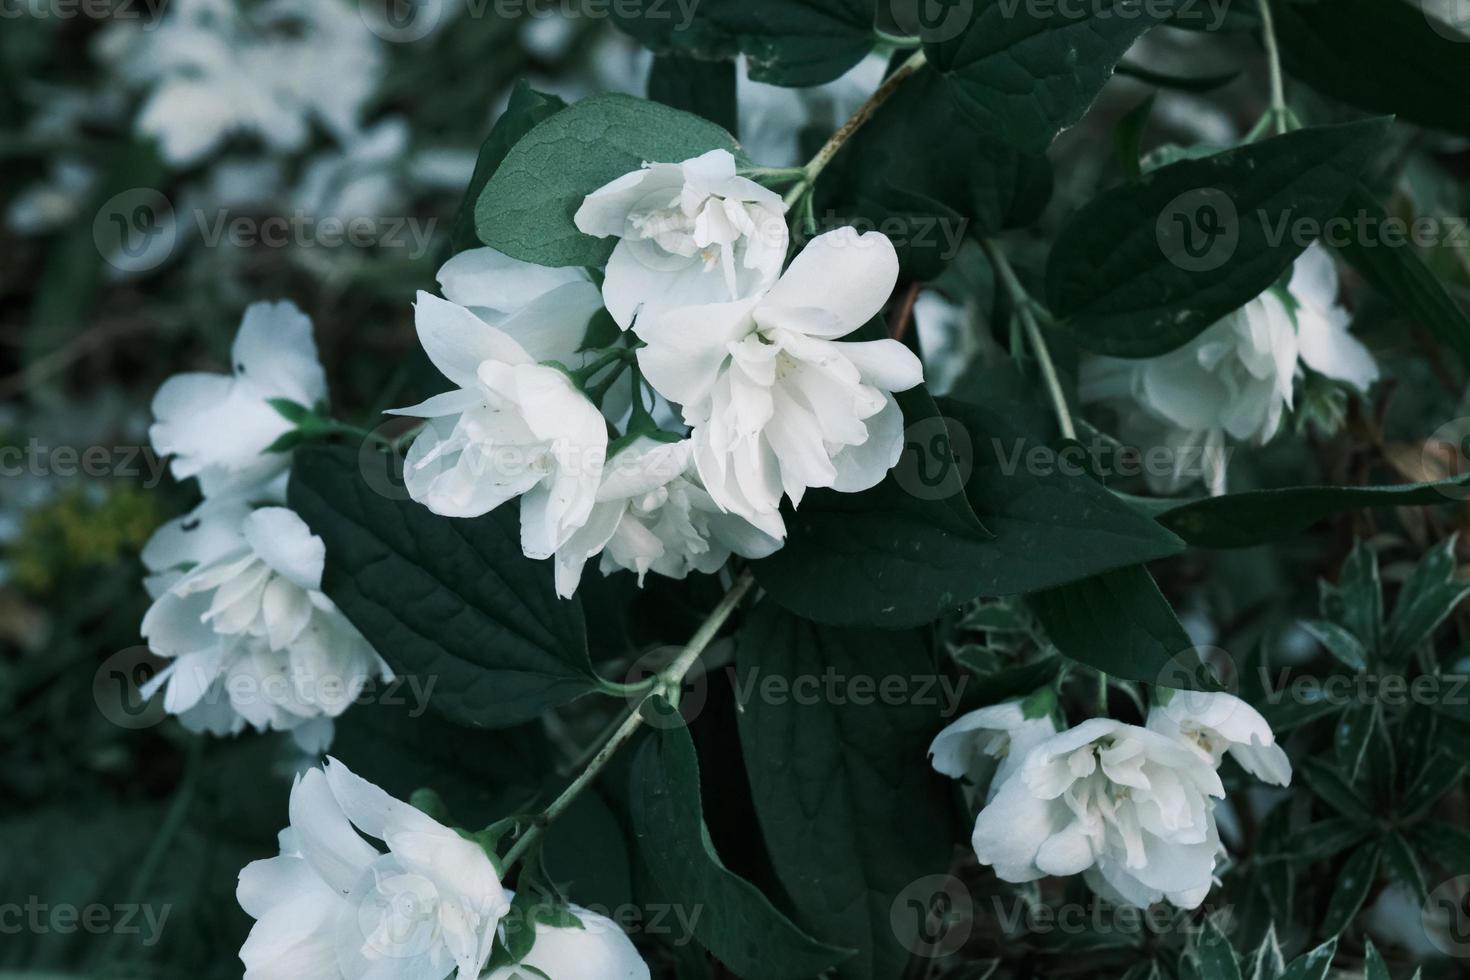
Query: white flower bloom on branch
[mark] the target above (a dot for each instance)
(689, 233)
(652, 515)
(777, 403)
(1236, 379)
(988, 744)
(251, 639)
(219, 426)
(597, 950)
(213, 69)
(1220, 723)
(1130, 808)
(512, 427)
(332, 905)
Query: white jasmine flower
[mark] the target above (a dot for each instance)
(690, 233)
(777, 403)
(651, 513)
(1128, 806)
(238, 610)
(545, 309)
(364, 179)
(213, 69)
(512, 428)
(1218, 723)
(332, 905)
(1322, 323)
(1235, 379)
(597, 950)
(219, 426)
(988, 743)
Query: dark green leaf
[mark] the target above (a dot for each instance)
(1313, 965)
(705, 88)
(527, 206)
(1024, 72)
(850, 821)
(1402, 276)
(1353, 883)
(1427, 598)
(1440, 775)
(1382, 55)
(738, 924)
(1447, 845)
(1351, 735)
(1356, 601)
(1198, 84)
(1244, 520)
(1373, 966)
(788, 42)
(1346, 647)
(1323, 839)
(1120, 623)
(1328, 784)
(452, 602)
(1266, 963)
(1215, 956)
(885, 558)
(1403, 865)
(526, 108)
(1146, 267)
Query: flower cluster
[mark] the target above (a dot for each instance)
(772, 400)
(1236, 379)
(238, 608)
(1131, 808)
(332, 905)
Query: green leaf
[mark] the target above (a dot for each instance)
(1145, 267)
(1120, 623)
(1343, 645)
(1245, 520)
(890, 558)
(1328, 784)
(1128, 137)
(1323, 839)
(1401, 275)
(527, 206)
(1426, 600)
(481, 775)
(898, 172)
(1439, 775)
(1024, 72)
(1353, 883)
(788, 42)
(1215, 956)
(1356, 601)
(1351, 735)
(526, 108)
(1197, 84)
(1382, 55)
(738, 925)
(1447, 845)
(1404, 865)
(1313, 965)
(848, 817)
(705, 88)
(1373, 966)
(1267, 963)
(446, 600)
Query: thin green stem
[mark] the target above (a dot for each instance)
(668, 680)
(1278, 113)
(1023, 303)
(1102, 694)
